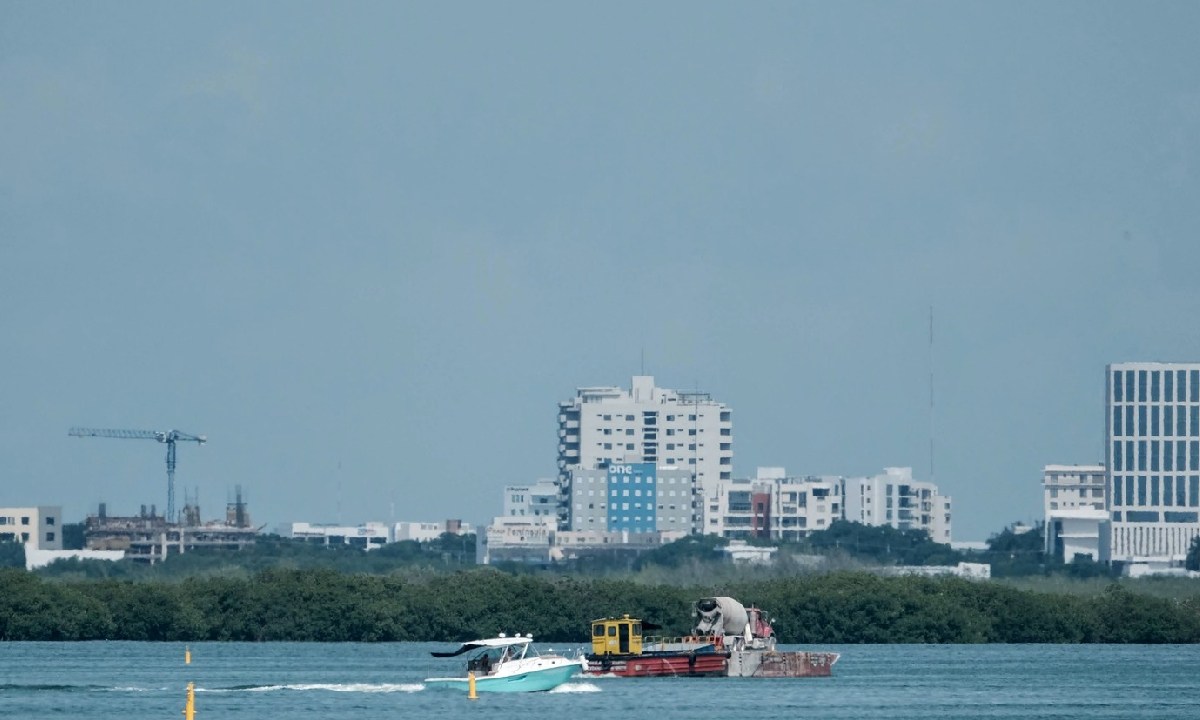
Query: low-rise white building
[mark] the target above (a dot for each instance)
(742, 553)
(369, 535)
(971, 571)
(36, 558)
(1078, 532)
(428, 531)
(38, 527)
(516, 539)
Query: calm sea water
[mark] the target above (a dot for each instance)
(292, 680)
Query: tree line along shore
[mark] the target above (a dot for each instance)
(324, 605)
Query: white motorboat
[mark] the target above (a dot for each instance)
(508, 664)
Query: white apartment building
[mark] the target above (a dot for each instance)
(773, 506)
(644, 424)
(1152, 448)
(39, 528)
(1074, 501)
(1072, 487)
(893, 498)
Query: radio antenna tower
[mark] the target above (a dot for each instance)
(931, 468)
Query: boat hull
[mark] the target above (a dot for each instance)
(774, 664)
(738, 663)
(529, 681)
(680, 664)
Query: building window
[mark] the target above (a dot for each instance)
(49, 520)
(25, 520)
(1117, 395)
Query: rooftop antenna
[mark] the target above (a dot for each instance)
(931, 473)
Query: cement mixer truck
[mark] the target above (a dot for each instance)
(741, 626)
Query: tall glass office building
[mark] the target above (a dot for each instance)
(1153, 459)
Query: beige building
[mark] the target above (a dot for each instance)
(38, 528)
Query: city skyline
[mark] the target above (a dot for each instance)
(366, 251)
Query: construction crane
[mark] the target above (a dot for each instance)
(170, 437)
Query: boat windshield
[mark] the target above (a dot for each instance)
(488, 659)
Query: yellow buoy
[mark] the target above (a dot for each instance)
(189, 709)
(470, 687)
(187, 655)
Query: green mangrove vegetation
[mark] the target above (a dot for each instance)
(325, 605)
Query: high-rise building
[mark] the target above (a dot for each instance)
(601, 426)
(1152, 448)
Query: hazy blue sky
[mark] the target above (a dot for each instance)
(372, 245)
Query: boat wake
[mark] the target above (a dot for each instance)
(575, 687)
(328, 687)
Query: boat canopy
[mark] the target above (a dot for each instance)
(495, 642)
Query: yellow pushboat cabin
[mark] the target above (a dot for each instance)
(617, 636)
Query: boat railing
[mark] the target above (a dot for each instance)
(684, 641)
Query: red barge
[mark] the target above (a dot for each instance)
(729, 640)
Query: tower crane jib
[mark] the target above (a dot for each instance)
(168, 437)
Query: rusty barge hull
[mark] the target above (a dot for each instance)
(776, 664)
(736, 663)
(659, 665)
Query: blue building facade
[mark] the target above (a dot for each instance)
(632, 492)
